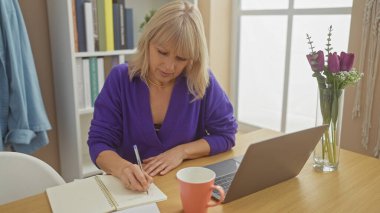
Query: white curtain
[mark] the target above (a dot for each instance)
(369, 65)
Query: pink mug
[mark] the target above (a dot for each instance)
(196, 185)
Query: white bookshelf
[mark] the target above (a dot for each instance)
(72, 122)
(104, 53)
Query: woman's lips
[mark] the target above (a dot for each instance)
(165, 74)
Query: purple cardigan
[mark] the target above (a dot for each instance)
(122, 118)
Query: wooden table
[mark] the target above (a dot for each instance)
(355, 187)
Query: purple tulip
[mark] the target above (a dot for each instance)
(316, 61)
(333, 63)
(346, 61)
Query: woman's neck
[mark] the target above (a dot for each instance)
(158, 84)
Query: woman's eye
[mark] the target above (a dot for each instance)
(162, 52)
(181, 58)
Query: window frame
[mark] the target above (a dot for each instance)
(237, 13)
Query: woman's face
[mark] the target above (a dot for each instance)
(165, 65)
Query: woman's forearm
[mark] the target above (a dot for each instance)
(110, 162)
(196, 149)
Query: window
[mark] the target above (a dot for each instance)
(274, 87)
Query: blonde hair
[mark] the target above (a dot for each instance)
(179, 22)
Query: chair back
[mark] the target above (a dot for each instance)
(22, 175)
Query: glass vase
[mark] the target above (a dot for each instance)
(326, 153)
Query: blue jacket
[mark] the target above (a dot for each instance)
(23, 120)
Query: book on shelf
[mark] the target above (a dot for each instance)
(91, 73)
(108, 16)
(128, 16)
(95, 24)
(116, 26)
(110, 62)
(89, 24)
(101, 25)
(86, 82)
(105, 23)
(119, 24)
(100, 73)
(123, 43)
(74, 15)
(79, 8)
(94, 85)
(100, 193)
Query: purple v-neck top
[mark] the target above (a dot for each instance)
(123, 117)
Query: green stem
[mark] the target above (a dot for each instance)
(323, 148)
(327, 141)
(334, 142)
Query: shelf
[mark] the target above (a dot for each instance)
(104, 53)
(73, 121)
(86, 111)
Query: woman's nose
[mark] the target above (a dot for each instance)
(170, 64)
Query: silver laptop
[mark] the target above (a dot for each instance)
(265, 163)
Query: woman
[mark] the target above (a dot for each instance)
(165, 101)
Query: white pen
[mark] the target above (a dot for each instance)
(139, 161)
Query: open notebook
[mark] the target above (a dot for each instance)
(101, 193)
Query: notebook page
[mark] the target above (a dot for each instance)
(78, 196)
(127, 198)
(151, 208)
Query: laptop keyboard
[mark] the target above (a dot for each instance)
(223, 181)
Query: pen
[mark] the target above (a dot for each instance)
(139, 161)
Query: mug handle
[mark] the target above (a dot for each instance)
(221, 192)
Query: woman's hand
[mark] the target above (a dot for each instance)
(129, 174)
(164, 162)
(133, 178)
